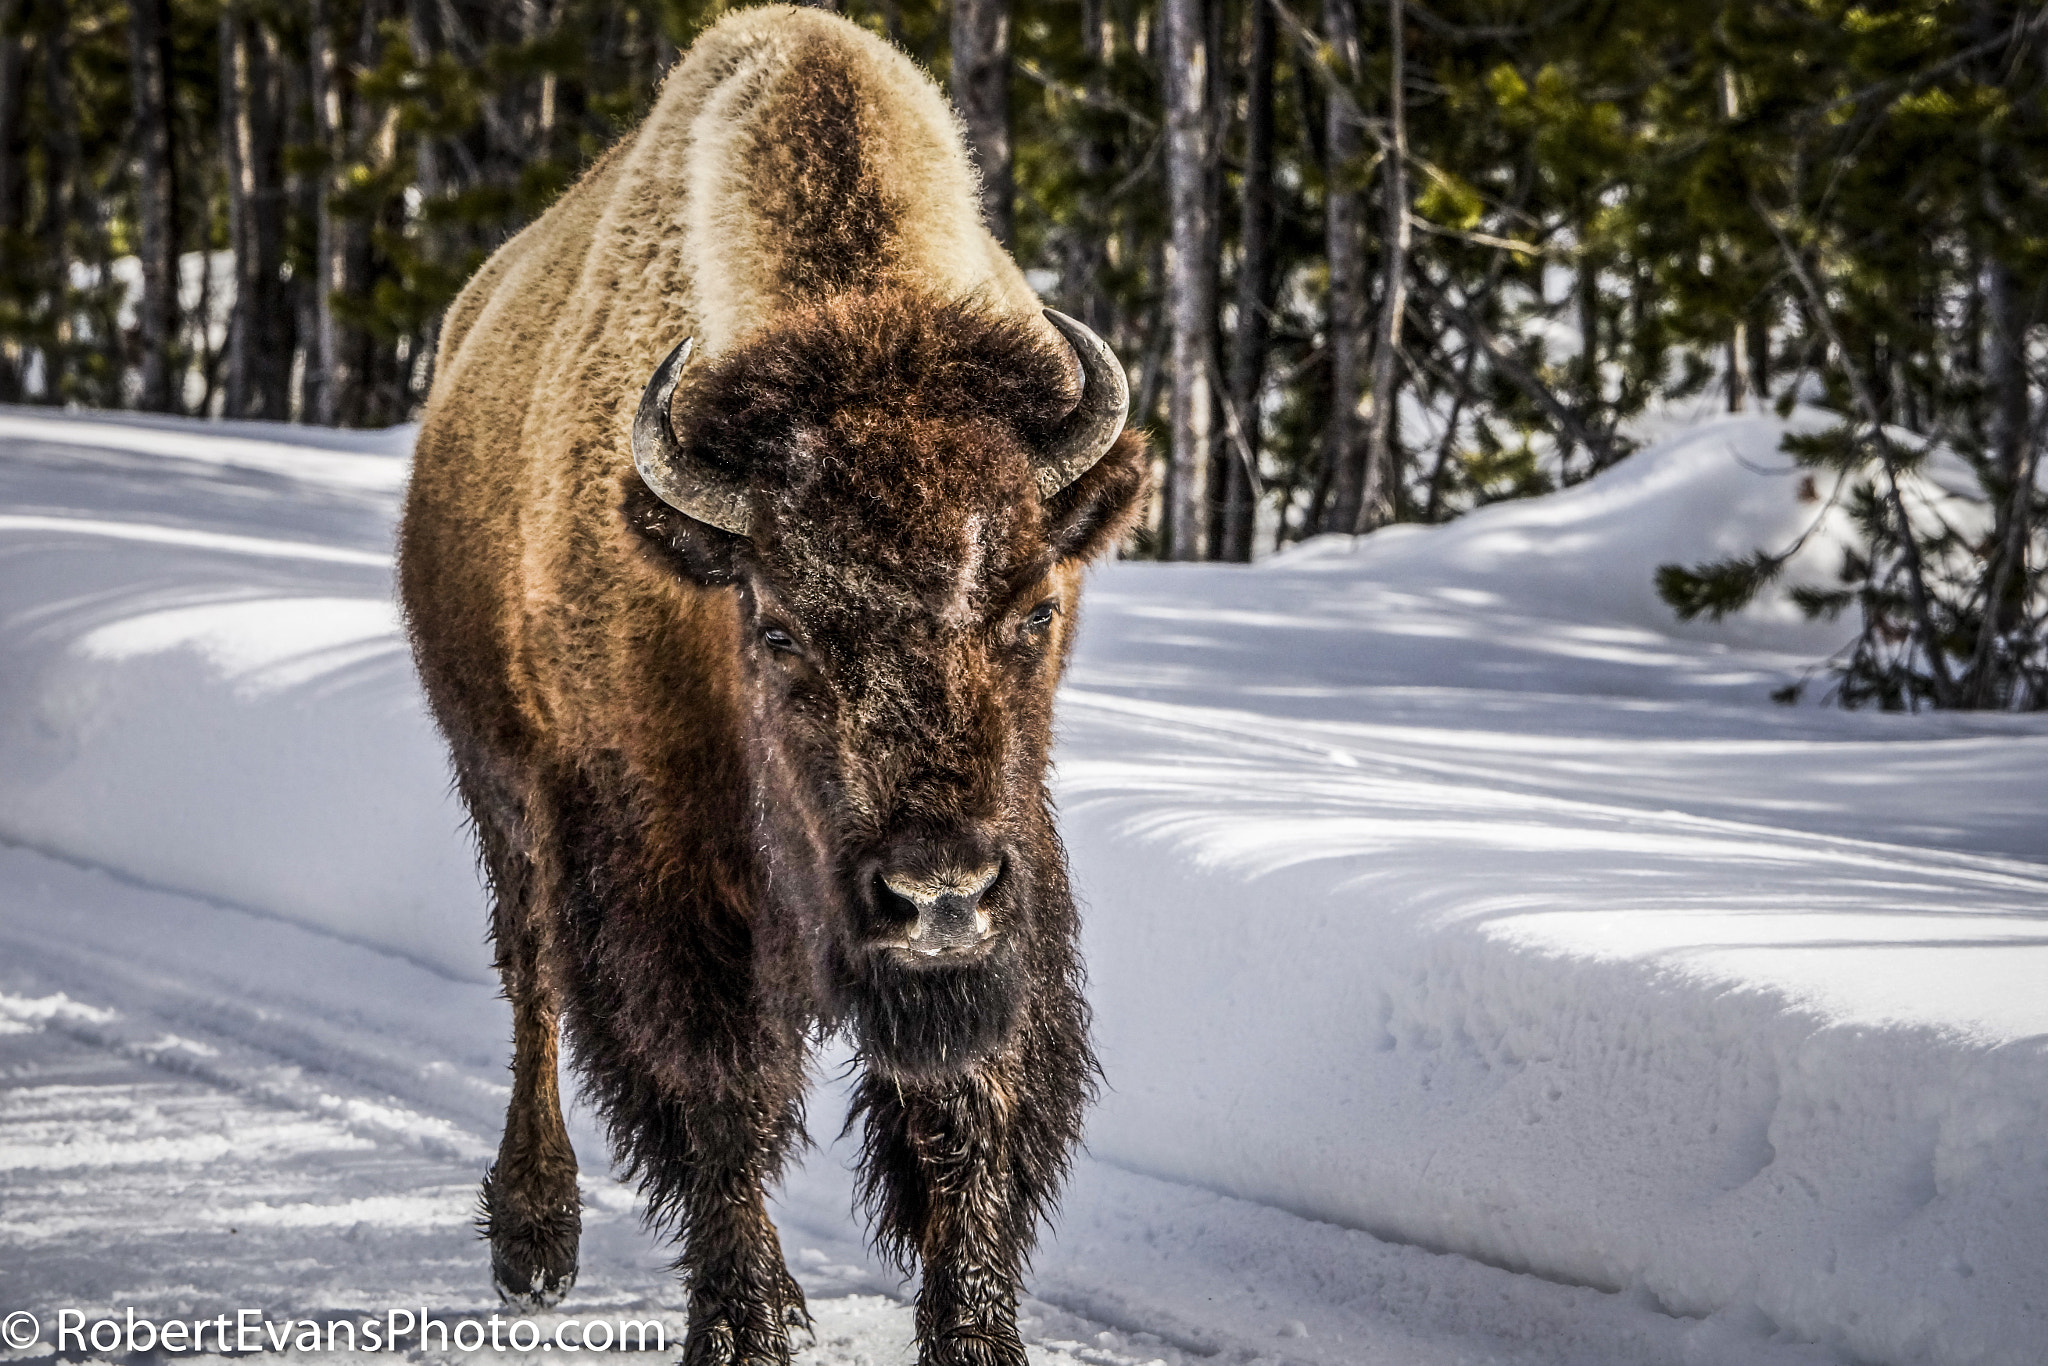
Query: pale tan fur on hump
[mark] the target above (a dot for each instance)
(730, 87)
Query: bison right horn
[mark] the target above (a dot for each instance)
(1097, 420)
(679, 479)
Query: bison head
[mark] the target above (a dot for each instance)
(901, 494)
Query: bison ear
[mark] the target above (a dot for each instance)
(679, 544)
(1092, 514)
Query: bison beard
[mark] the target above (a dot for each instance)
(919, 1022)
(813, 642)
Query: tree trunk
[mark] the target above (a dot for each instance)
(70, 230)
(2005, 365)
(235, 98)
(1343, 217)
(1433, 510)
(277, 325)
(48, 292)
(305, 187)
(439, 243)
(14, 282)
(326, 377)
(1757, 349)
(345, 394)
(1587, 399)
(1377, 502)
(2005, 375)
(149, 56)
(208, 355)
(1738, 344)
(1191, 280)
(260, 326)
(1155, 334)
(1223, 462)
(981, 91)
(1254, 289)
(1083, 251)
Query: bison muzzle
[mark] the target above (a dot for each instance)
(741, 560)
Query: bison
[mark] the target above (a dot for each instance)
(747, 673)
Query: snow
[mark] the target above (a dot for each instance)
(1485, 970)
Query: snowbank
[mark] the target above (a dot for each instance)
(1442, 887)
(203, 682)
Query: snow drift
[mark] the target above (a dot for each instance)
(1441, 885)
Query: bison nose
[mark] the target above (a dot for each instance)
(944, 907)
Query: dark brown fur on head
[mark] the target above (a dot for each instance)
(906, 608)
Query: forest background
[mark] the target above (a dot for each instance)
(1370, 261)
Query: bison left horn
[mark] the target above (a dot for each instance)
(685, 483)
(1097, 420)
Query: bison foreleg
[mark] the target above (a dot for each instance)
(704, 1163)
(957, 1172)
(531, 1212)
(743, 1301)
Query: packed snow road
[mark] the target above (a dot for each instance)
(1485, 970)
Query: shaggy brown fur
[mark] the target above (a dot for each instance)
(703, 768)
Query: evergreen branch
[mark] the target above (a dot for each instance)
(1601, 444)
(1909, 546)
(1903, 85)
(1317, 60)
(1082, 95)
(1716, 589)
(1480, 239)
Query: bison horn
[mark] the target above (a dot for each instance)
(1097, 420)
(679, 479)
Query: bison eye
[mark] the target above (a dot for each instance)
(779, 640)
(1041, 617)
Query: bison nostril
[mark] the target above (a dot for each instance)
(895, 908)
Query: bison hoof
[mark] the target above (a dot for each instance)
(796, 1315)
(747, 1330)
(716, 1344)
(999, 1348)
(533, 1255)
(528, 1288)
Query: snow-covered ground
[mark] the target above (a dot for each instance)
(1485, 970)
